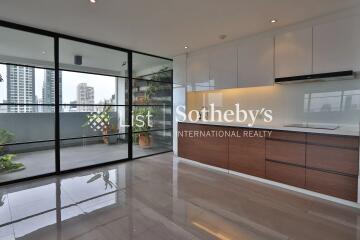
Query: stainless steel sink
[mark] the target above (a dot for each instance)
(314, 126)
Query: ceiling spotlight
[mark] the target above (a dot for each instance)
(92, 1)
(43, 52)
(273, 20)
(186, 47)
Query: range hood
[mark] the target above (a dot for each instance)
(344, 75)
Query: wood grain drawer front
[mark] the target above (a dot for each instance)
(210, 150)
(283, 173)
(335, 141)
(288, 136)
(287, 152)
(332, 184)
(332, 158)
(247, 155)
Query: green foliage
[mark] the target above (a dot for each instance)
(6, 160)
(6, 163)
(5, 137)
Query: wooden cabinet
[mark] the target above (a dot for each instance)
(333, 159)
(247, 155)
(337, 45)
(339, 154)
(256, 62)
(322, 163)
(287, 152)
(211, 150)
(293, 53)
(284, 173)
(198, 71)
(333, 140)
(336, 185)
(223, 68)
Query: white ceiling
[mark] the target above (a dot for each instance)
(163, 27)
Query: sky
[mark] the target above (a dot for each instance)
(104, 86)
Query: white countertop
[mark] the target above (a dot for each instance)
(346, 130)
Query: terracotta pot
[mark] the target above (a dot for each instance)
(105, 131)
(144, 140)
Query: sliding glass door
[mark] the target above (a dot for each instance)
(93, 104)
(27, 112)
(68, 103)
(152, 105)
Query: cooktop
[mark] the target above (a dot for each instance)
(315, 126)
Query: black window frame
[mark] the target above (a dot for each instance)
(57, 137)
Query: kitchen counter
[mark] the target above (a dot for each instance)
(345, 130)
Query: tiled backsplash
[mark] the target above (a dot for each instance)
(319, 102)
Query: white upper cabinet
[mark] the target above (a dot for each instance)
(223, 67)
(293, 53)
(198, 70)
(337, 46)
(256, 62)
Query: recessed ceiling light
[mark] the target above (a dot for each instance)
(92, 1)
(43, 52)
(273, 20)
(186, 47)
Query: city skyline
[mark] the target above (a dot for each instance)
(20, 88)
(104, 85)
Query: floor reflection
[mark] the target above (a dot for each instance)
(162, 198)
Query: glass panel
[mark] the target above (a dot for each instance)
(91, 151)
(26, 85)
(77, 56)
(145, 66)
(151, 93)
(147, 143)
(92, 121)
(24, 48)
(17, 126)
(27, 160)
(164, 76)
(154, 117)
(89, 89)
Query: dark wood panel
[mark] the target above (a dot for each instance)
(247, 155)
(287, 152)
(336, 141)
(334, 159)
(332, 184)
(211, 150)
(285, 173)
(288, 136)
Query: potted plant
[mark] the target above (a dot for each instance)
(100, 121)
(6, 160)
(143, 137)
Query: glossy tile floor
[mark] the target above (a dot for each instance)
(161, 198)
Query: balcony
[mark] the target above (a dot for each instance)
(33, 143)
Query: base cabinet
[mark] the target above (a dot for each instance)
(211, 149)
(287, 174)
(247, 155)
(336, 185)
(318, 162)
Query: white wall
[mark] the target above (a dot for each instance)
(179, 91)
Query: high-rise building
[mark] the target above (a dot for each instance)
(20, 88)
(85, 95)
(48, 91)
